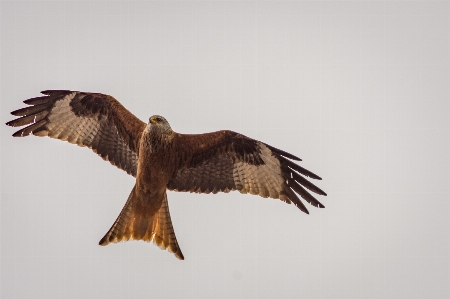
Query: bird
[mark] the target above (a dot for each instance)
(161, 159)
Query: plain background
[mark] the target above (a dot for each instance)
(358, 90)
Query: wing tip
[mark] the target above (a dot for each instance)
(291, 156)
(19, 134)
(296, 187)
(50, 92)
(103, 242)
(179, 255)
(282, 153)
(295, 158)
(303, 209)
(312, 175)
(16, 112)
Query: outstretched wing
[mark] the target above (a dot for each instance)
(95, 120)
(223, 161)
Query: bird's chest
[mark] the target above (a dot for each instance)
(155, 168)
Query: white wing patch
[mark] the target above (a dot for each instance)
(264, 180)
(65, 125)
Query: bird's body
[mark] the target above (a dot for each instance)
(154, 166)
(162, 159)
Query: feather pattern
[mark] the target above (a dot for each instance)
(94, 120)
(136, 222)
(223, 161)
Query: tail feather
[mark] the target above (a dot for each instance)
(165, 236)
(142, 224)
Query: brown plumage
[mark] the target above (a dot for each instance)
(162, 159)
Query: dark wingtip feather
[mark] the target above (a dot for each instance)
(302, 208)
(37, 100)
(19, 134)
(179, 255)
(31, 129)
(55, 92)
(294, 198)
(17, 122)
(312, 175)
(304, 182)
(300, 169)
(304, 194)
(282, 153)
(36, 109)
(103, 242)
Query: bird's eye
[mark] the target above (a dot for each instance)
(158, 119)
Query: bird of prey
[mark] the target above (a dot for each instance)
(161, 159)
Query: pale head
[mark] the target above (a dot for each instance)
(157, 122)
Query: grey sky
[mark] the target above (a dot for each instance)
(358, 90)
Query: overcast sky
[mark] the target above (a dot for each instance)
(359, 90)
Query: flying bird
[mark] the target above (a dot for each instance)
(161, 159)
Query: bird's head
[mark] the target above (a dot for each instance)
(159, 123)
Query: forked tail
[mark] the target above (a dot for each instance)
(136, 222)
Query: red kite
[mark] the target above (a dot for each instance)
(162, 159)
